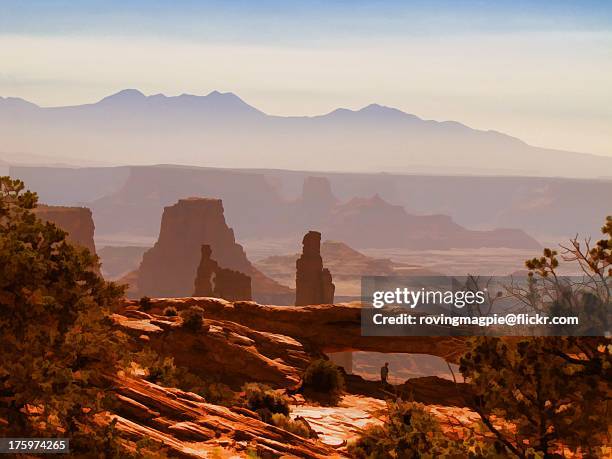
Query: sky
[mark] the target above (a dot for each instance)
(537, 70)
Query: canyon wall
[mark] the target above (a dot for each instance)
(169, 268)
(76, 221)
(134, 197)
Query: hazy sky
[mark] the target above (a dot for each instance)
(538, 70)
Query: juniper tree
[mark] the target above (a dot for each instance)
(56, 340)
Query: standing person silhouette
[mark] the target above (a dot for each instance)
(384, 373)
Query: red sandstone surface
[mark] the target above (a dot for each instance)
(243, 342)
(76, 221)
(169, 268)
(313, 282)
(214, 280)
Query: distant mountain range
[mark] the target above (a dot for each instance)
(221, 130)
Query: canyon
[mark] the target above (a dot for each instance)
(246, 341)
(127, 202)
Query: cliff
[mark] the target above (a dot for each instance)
(313, 283)
(76, 221)
(213, 280)
(169, 268)
(375, 223)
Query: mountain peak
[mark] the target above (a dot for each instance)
(383, 110)
(227, 96)
(16, 102)
(125, 95)
(229, 101)
(373, 111)
(215, 101)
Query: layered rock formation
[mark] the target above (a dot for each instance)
(244, 342)
(316, 202)
(76, 221)
(136, 207)
(169, 268)
(213, 280)
(189, 427)
(237, 352)
(313, 283)
(319, 328)
(375, 223)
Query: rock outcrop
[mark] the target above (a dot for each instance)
(76, 221)
(313, 283)
(169, 268)
(318, 328)
(237, 352)
(272, 345)
(189, 427)
(213, 280)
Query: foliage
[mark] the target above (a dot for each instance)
(538, 384)
(595, 260)
(147, 448)
(55, 334)
(323, 376)
(160, 370)
(296, 426)
(145, 303)
(170, 311)
(411, 432)
(193, 318)
(554, 390)
(265, 401)
(163, 371)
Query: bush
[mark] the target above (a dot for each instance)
(553, 390)
(193, 318)
(145, 303)
(324, 377)
(217, 393)
(550, 397)
(410, 432)
(170, 311)
(265, 401)
(163, 371)
(296, 426)
(55, 332)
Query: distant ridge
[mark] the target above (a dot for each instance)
(222, 130)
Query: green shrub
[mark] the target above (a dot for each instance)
(170, 311)
(145, 303)
(217, 393)
(147, 448)
(296, 426)
(193, 318)
(324, 377)
(163, 371)
(265, 401)
(56, 337)
(410, 432)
